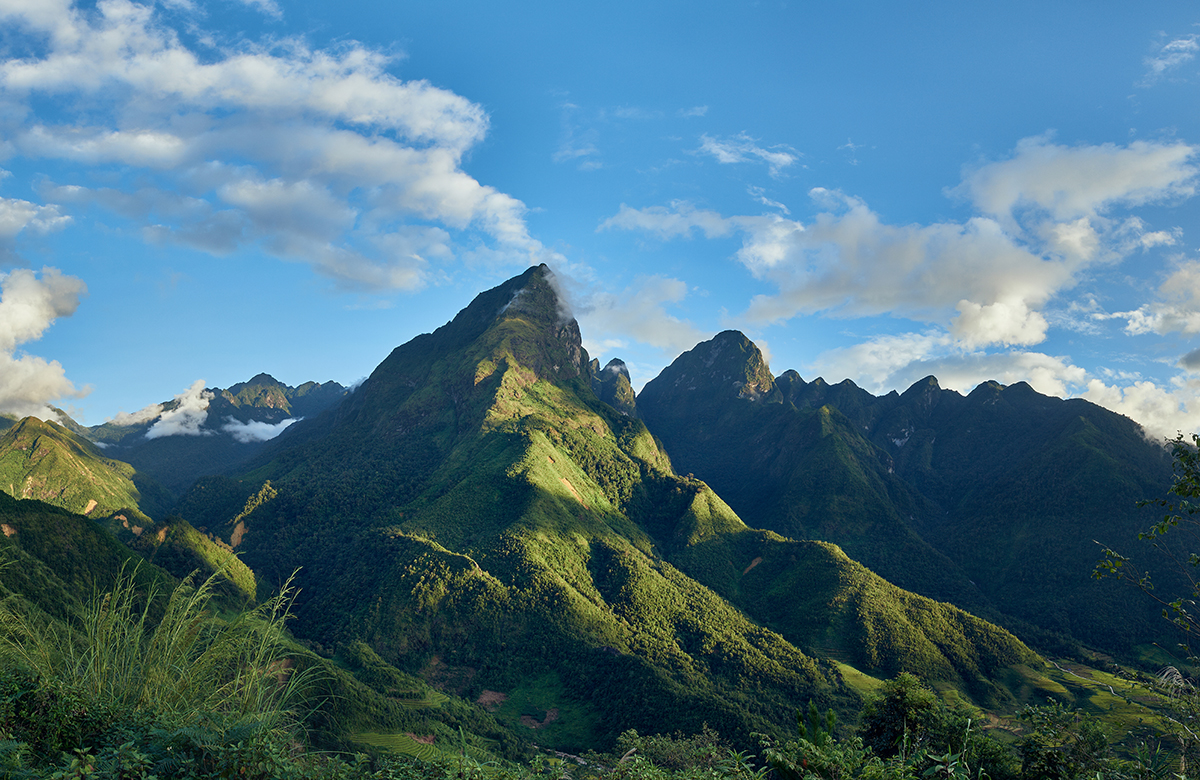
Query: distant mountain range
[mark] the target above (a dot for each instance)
(493, 511)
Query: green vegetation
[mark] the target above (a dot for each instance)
(119, 688)
(183, 551)
(494, 551)
(989, 502)
(47, 462)
(478, 516)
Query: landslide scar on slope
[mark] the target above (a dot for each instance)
(574, 492)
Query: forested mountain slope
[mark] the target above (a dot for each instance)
(477, 514)
(47, 462)
(990, 501)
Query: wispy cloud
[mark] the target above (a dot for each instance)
(266, 7)
(742, 148)
(1168, 57)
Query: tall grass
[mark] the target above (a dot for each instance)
(181, 669)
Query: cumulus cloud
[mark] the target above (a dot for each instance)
(1044, 217)
(1067, 183)
(17, 215)
(255, 431)
(29, 304)
(185, 415)
(1162, 411)
(334, 154)
(1177, 309)
(742, 148)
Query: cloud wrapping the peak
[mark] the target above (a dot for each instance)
(187, 416)
(320, 156)
(30, 304)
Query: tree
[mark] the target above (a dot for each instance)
(1181, 506)
(1176, 536)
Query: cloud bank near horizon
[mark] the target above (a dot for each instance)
(1044, 218)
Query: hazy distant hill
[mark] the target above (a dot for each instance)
(991, 501)
(226, 428)
(477, 514)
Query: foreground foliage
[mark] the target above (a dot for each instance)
(121, 690)
(122, 693)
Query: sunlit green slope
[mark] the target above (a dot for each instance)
(47, 462)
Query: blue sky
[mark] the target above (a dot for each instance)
(206, 190)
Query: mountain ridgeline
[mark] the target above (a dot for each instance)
(493, 512)
(989, 501)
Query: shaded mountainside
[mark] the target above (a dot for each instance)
(806, 474)
(55, 559)
(990, 501)
(475, 513)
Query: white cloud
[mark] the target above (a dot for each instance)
(334, 153)
(742, 148)
(185, 415)
(1169, 57)
(849, 262)
(255, 431)
(677, 221)
(1178, 307)
(1162, 412)
(144, 415)
(28, 306)
(1066, 183)
(897, 361)
(609, 321)
(1045, 217)
(266, 7)
(17, 215)
(694, 111)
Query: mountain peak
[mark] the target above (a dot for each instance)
(729, 364)
(611, 385)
